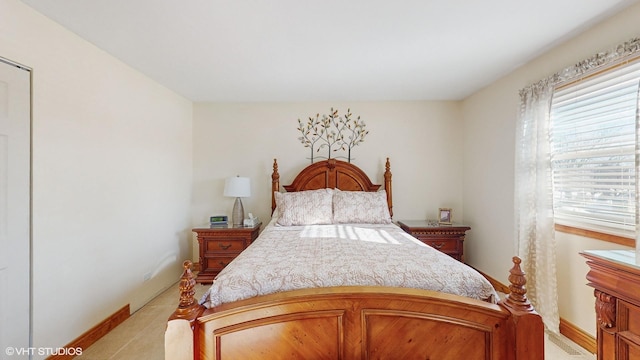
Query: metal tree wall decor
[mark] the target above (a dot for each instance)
(332, 132)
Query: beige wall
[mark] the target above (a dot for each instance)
(420, 138)
(489, 145)
(112, 163)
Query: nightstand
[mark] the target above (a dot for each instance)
(220, 245)
(449, 239)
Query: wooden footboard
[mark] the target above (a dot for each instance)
(358, 323)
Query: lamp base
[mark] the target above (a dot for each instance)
(237, 216)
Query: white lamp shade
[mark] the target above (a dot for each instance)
(237, 187)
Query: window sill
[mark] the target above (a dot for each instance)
(620, 240)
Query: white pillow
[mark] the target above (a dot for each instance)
(358, 207)
(311, 207)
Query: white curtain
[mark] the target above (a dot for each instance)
(534, 226)
(535, 241)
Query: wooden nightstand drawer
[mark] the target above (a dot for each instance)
(444, 245)
(449, 239)
(224, 246)
(218, 263)
(218, 246)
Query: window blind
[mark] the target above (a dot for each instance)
(593, 151)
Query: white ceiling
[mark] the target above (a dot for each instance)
(326, 50)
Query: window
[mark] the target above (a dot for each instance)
(593, 145)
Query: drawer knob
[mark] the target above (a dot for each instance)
(438, 246)
(222, 263)
(224, 247)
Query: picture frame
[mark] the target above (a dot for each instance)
(444, 216)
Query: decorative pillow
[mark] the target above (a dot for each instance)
(357, 207)
(311, 207)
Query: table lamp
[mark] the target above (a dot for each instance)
(237, 187)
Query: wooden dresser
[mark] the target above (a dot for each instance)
(220, 245)
(615, 275)
(447, 238)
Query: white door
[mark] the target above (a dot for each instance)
(15, 208)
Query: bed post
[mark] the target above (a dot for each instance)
(275, 185)
(188, 307)
(180, 342)
(526, 322)
(387, 186)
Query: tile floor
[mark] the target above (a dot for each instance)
(142, 335)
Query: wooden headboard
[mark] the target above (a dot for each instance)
(334, 174)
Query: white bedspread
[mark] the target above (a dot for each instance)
(289, 258)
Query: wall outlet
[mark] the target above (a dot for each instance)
(146, 276)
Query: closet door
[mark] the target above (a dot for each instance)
(15, 209)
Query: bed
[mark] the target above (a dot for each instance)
(331, 277)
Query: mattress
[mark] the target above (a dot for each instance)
(287, 258)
